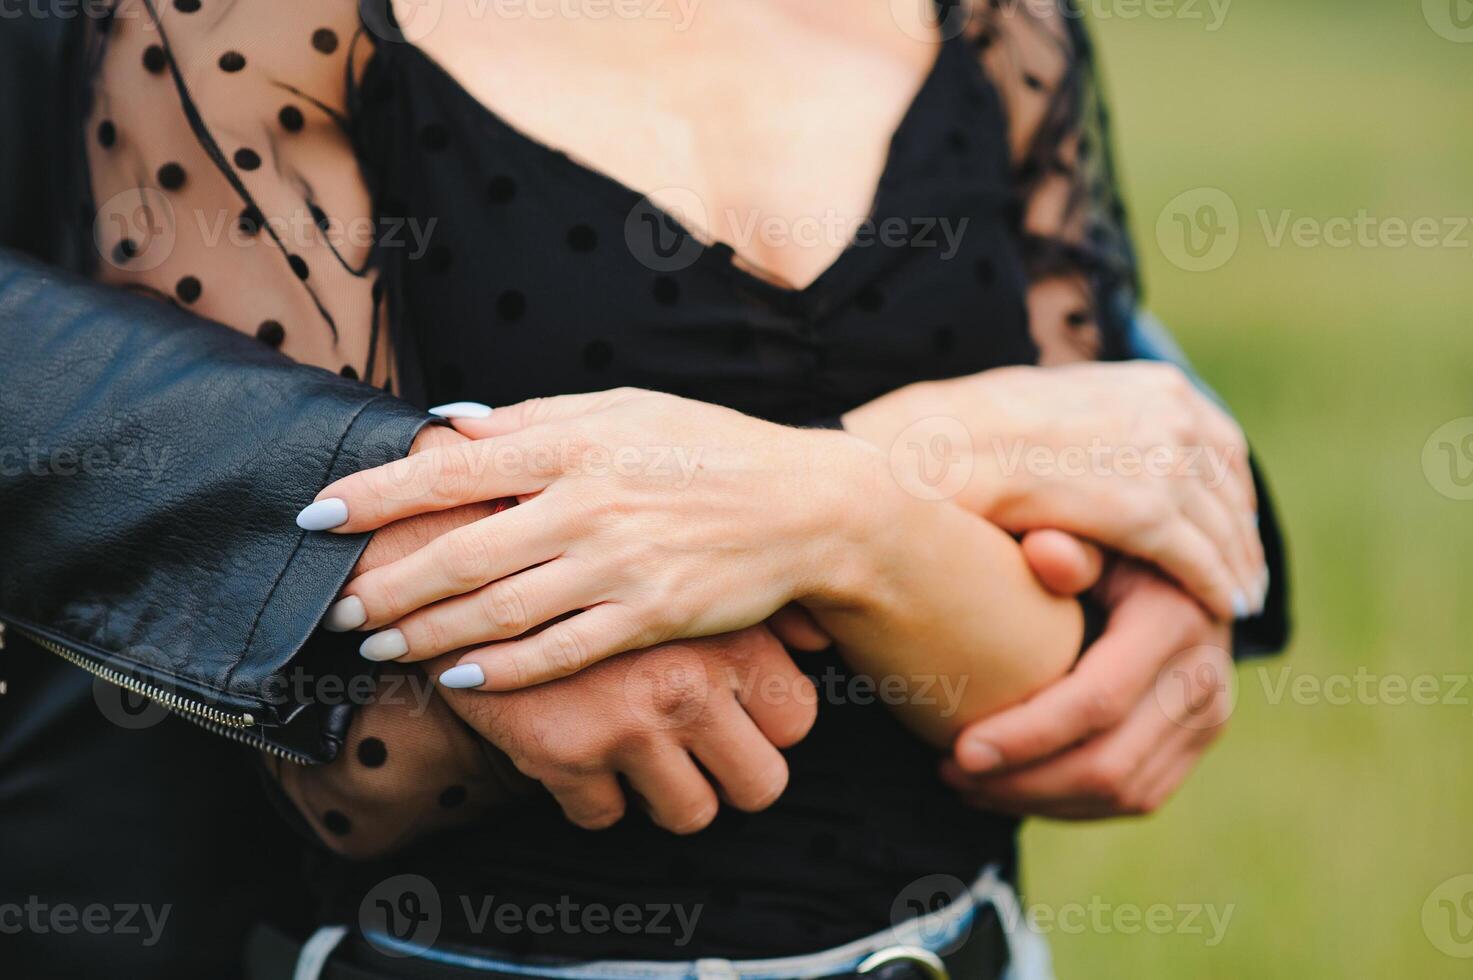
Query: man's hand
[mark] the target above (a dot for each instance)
(1119, 734)
(729, 702)
(401, 538)
(649, 716)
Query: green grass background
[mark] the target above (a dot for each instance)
(1324, 826)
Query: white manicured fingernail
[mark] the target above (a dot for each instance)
(345, 614)
(386, 645)
(324, 515)
(462, 410)
(1240, 604)
(464, 675)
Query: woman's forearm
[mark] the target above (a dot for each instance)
(941, 610)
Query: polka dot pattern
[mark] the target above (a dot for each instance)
(171, 176)
(548, 288)
(155, 61)
(271, 333)
(372, 752)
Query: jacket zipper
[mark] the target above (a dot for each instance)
(231, 725)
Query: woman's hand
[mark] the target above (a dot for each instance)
(645, 516)
(1130, 455)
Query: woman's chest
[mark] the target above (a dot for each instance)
(749, 119)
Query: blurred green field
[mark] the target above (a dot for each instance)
(1324, 827)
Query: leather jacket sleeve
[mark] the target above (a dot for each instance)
(151, 466)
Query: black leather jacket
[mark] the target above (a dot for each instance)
(151, 465)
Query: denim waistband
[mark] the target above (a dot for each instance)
(940, 932)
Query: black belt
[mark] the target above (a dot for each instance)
(272, 955)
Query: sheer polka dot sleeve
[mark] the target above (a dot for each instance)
(409, 768)
(1080, 260)
(223, 175)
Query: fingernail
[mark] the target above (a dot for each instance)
(345, 614)
(324, 515)
(1240, 604)
(462, 410)
(465, 675)
(975, 755)
(386, 645)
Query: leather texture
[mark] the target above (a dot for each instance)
(152, 467)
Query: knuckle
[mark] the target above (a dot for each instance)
(428, 633)
(764, 790)
(468, 556)
(1103, 707)
(382, 597)
(600, 819)
(1170, 378)
(692, 818)
(454, 477)
(1136, 806)
(1106, 782)
(505, 607)
(678, 700)
(565, 650)
(797, 718)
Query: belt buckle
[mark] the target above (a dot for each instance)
(929, 963)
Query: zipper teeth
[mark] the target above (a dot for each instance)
(248, 738)
(180, 705)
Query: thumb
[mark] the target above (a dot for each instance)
(1064, 564)
(479, 421)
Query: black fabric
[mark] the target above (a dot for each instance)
(34, 99)
(542, 294)
(110, 805)
(564, 280)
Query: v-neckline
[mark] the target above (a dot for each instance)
(626, 197)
